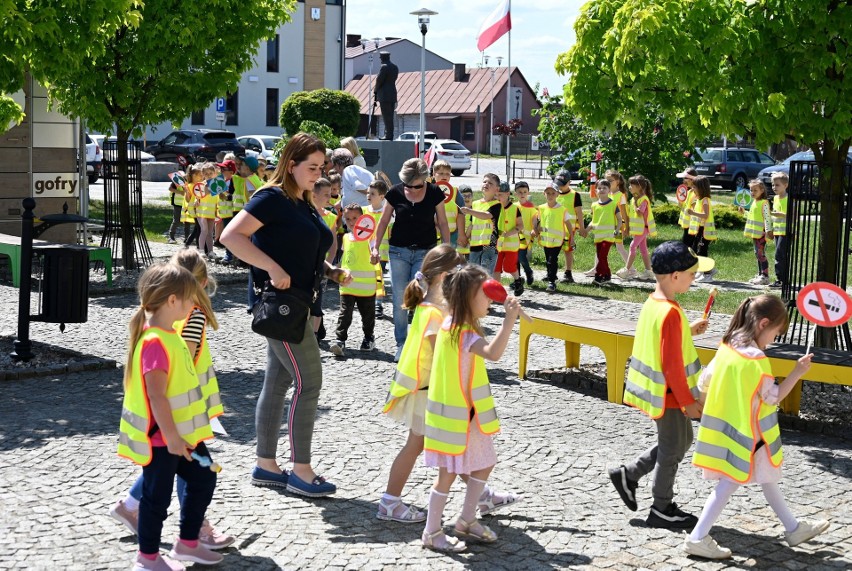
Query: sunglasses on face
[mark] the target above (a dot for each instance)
(414, 187)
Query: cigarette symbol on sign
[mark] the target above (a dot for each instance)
(832, 308)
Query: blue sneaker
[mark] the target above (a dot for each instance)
(261, 477)
(316, 489)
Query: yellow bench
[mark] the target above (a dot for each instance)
(11, 246)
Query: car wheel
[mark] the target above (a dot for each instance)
(740, 181)
(458, 172)
(93, 178)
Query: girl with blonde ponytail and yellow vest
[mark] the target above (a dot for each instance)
(460, 413)
(739, 441)
(642, 225)
(662, 383)
(206, 211)
(702, 224)
(164, 420)
(758, 227)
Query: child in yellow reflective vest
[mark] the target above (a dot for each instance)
(688, 176)
(528, 211)
(758, 227)
(460, 413)
(442, 172)
(164, 420)
(191, 192)
(361, 291)
(510, 227)
(642, 225)
(739, 441)
(620, 195)
(206, 211)
(552, 227)
(780, 180)
(606, 224)
(376, 197)
(702, 223)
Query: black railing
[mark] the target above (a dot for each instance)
(112, 223)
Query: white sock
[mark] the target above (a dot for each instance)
(131, 503)
(716, 502)
(389, 499)
(775, 498)
(434, 517)
(471, 498)
(486, 493)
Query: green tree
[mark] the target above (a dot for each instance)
(180, 57)
(339, 110)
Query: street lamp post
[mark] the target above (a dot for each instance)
(423, 21)
(364, 45)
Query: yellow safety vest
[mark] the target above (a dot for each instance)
(356, 259)
(552, 225)
(415, 361)
(449, 409)
(683, 218)
(508, 221)
(467, 224)
(527, 213)
(384, 247)
(330, 219)
(452, 210)
(754, 220)
(480, 232)
(637, 222)
(646, 385)
(189, 211)
(567, 200)
(185, 400)
(603, 220)
(207, 206)
(206, 373)
(616, 197)
(727, 437)
(225, 208)
(709, 223)
(779, 225)
(241, 196)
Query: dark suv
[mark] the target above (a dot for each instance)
(195, 145)
(732, 167)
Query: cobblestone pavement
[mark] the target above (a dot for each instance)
(59, 473)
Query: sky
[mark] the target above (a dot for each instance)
(541, 30)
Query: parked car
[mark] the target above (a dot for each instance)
(415, 135)
(454, 153)
(188, 146)
(732, 167)
(143, 156)
(766, 174)
(94, 159)
(259, 145)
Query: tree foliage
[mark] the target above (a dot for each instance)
(339, 110)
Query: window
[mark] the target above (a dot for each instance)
(766, 159)
(198, 117)
(232, 108)
(469, 131)
(272, 107)
(272, 53)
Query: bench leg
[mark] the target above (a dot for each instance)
(793, 401)
(614, 379)
(572, 355)
(523, 348)
(15, 263)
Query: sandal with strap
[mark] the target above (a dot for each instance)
(449, 545)
(411, 514)
(495, 502)
(469, 531)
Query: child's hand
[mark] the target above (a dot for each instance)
(374, 256)
(699, 327)
(512, 307)
(693, 410)
(770, 235)
(802, 365)
(179, 447)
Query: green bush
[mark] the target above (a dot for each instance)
(322, 132)
(337, 109)
(724, 216)
(666, 213)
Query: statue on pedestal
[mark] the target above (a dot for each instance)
(385, 92)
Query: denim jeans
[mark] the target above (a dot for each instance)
(487, 258)
(404, 263)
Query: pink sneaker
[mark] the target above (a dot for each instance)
(159, 564)
(198, 554)
(129, 518)
(212, 538)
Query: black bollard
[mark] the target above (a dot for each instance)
(23, 345)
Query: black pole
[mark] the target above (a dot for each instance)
(23, 345)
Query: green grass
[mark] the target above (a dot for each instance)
(156, 219)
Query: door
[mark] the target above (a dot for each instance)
(455, 129)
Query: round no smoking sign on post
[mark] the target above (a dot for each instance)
(364, 228)
(824, 304)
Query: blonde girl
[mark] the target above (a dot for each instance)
(641, 225)
(351, 145)
(618, 193)
(702, 225)
(458, 439)
(688, 176)
(158, 434)
(758, 227)
(206, 210)
(189, 215)
(739, 441)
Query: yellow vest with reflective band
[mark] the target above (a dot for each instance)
(727, 436)
(415, 361)
(356, 259)
(616, 197)
(637, 222)
(179, 195)
(384, 247)
(683, 218)
(527, 213)
(185, 400)
(448, 407)
(646, 385)
(552, 225)
(603, 220)
(779, 225)
(709, 223)
(508, 221)
(206, 373)
(452, 210)
(754, 220)
(567, 200)
(480, 232)
(330, 218)
(207, 206)
(225, 207)
(188, 212)
(241, 194)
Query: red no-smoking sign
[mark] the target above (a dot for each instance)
(364, 228)
(681, 193)
(448, 190)
(824, 304)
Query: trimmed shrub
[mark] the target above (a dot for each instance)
(339, 110)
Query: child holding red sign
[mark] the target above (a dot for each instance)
(361, 291)
(739, 441)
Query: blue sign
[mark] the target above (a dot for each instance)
(220, 105)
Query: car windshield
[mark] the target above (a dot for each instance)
(269, 142)
(453, 147)
(713, 156)
(219, 137)
(801, 156)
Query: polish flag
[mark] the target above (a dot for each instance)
(498, 23)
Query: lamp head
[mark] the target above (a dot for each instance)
(423, 18)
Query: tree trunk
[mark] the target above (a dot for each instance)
(128, 255)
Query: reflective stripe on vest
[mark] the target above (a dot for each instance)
(508, 221)
(779, 225)
(637, 221)
(452, 211)
(552, 225)
(225, 207)
(683, 217)
(527, 213)
(448, 407)
(646, 384)
(729, 431)
(384, 247)
(207, 380)
(356, 259)
(207, 206)
(709, 223)
(241, 189)
(754, 220)
(480, 231)
(567, 200)
(415, 361)
(603, 221)
(185, 397)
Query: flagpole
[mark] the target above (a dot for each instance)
(509, 97)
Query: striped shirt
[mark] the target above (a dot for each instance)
(194, 329)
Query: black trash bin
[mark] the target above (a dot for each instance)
(65, 284)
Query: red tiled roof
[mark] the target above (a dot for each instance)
(444, 95)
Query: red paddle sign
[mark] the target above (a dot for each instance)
(364, 228)
(495, 291)
(448, 190)
(681, 193)
(824, 304)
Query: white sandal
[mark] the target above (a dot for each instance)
(488, 505)
(410, 515)
(467, 530)
(449, 545)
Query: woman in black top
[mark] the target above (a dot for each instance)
(416, 208)
(281, 234)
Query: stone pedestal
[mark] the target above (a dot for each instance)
(386, 156)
